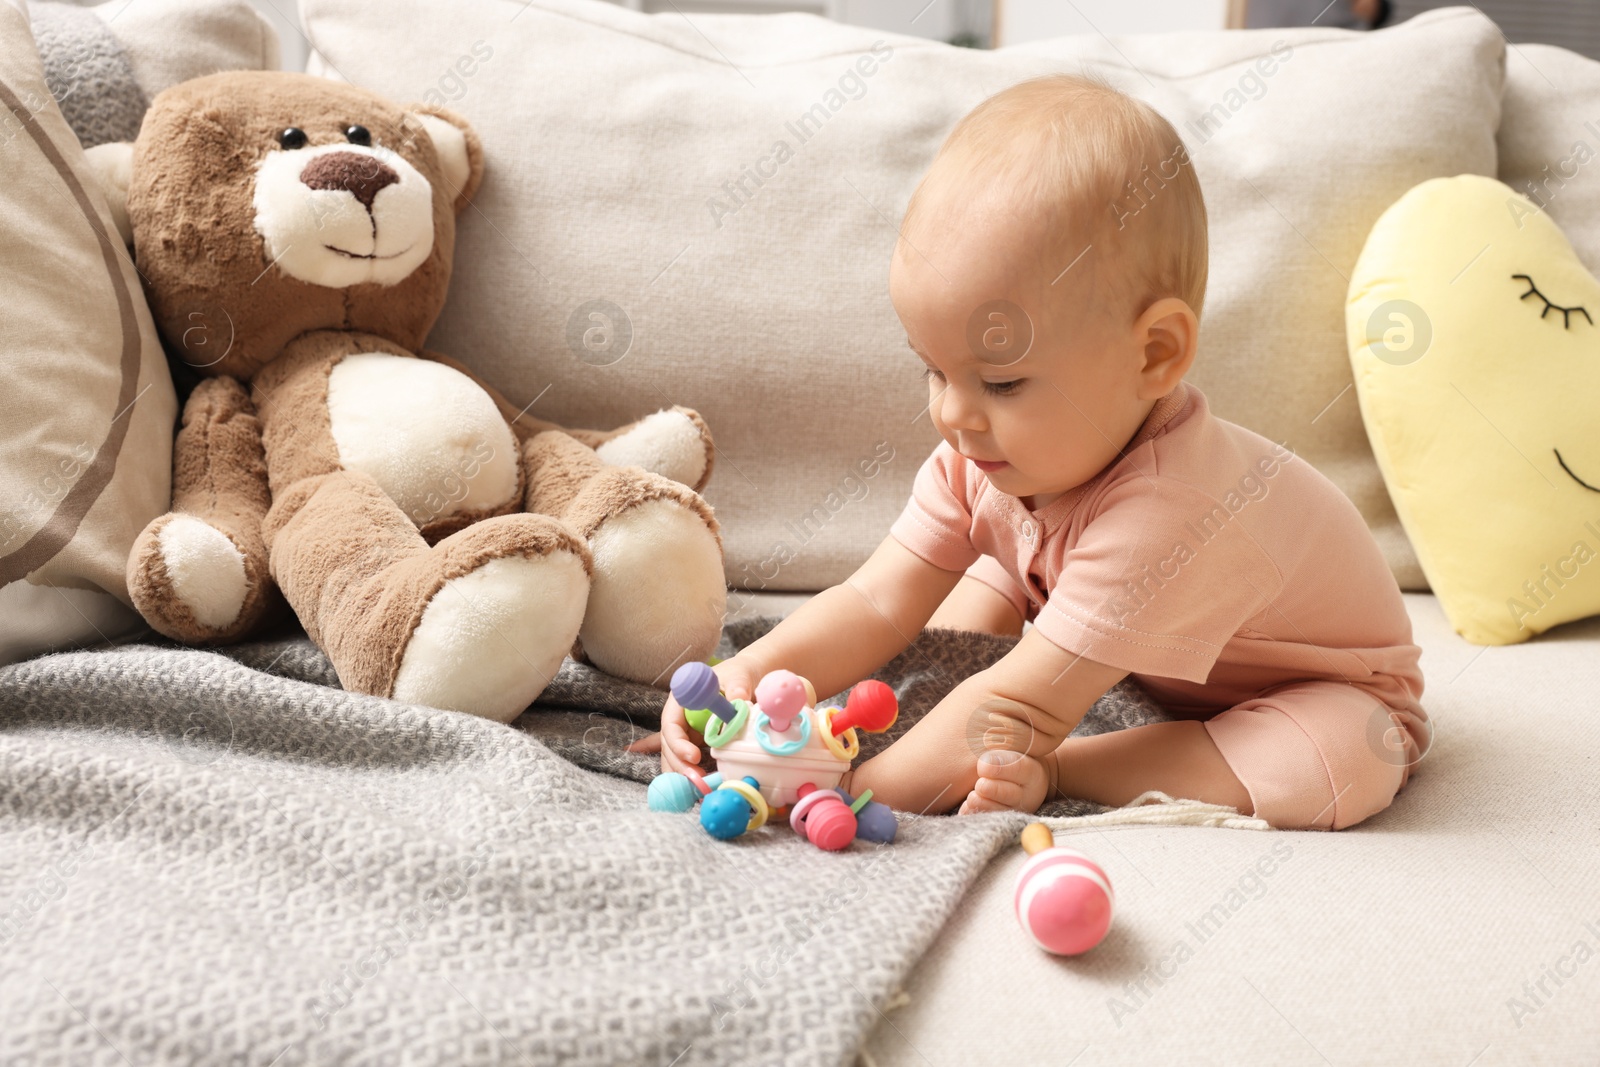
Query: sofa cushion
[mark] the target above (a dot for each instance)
(700, 209)
(1549, 139)
(1455, 927)
(211, 35)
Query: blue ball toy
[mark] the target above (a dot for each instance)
(725, 814)
(671, 791)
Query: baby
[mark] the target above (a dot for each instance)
(1050, 276)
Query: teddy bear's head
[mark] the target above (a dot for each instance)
(265, 204)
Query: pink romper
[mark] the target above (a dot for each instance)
(1230, 578)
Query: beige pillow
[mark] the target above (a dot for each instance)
(171, 41)
(695, 209)
(1550, 139)
(86, 415)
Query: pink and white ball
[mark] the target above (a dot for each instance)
(1064, 899)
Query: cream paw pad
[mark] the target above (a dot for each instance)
(1476, 352)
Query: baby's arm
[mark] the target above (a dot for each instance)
(1027, 702)
(974, 605)
(835, 639)
(843, 634)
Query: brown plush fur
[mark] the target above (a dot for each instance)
(220, 473)
(338, 539)
(200, 254)
(264, 468)
(291, 393)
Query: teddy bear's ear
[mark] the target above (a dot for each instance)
(460, 151)
(112, 166)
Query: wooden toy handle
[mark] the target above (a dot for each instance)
(1036, 837)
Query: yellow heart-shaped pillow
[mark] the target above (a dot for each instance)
(1476, 350)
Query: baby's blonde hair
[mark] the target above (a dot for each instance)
(1109, 173)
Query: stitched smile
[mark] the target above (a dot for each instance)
(1574, 477)
(353, 255)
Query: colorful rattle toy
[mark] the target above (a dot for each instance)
(697, 691)
(779, 754)
(1064, 898)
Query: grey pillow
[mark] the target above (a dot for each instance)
(104, 63)
(88, 73)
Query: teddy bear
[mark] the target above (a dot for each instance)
(440, 544)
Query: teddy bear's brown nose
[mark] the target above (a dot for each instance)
(353, 172)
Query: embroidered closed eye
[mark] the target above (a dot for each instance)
(1550, 305)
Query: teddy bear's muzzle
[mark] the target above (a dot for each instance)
(361, 176)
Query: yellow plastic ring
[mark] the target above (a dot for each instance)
(849, 748)
(758, 803)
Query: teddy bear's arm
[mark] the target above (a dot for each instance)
(674, 442)
(199, 573)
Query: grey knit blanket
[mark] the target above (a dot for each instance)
(221, 857)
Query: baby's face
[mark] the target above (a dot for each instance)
(1026, 375)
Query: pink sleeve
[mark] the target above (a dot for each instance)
(1159, 581)
(993, 574)
(937, 521)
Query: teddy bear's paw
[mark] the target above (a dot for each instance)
(659, 593)
(490, 640)
(191, 582)
(672, 443)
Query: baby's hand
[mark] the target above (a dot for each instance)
(674, 741)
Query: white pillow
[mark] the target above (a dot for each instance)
(658, 163)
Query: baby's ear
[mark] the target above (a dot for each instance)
(112, 166)
(460, 151)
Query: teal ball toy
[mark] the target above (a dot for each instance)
(671, 792)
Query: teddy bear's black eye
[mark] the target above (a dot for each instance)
(358, 135)
(293, 137)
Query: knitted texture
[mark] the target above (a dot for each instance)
(88, 73)
(213, 857)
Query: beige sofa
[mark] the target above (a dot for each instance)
(1460, 926)
(638, 163)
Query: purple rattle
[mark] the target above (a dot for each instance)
(695, 687)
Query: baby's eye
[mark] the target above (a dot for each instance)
(1550, 305)
(1003, 388)
(931, 375)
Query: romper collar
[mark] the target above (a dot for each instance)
(1056, 512)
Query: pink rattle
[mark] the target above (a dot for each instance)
(782, 696)
(1063, 897)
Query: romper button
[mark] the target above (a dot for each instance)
(1030, 532)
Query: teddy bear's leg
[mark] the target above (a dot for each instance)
(674, 443)
(477, 623)
(199, 573)
(659, 594)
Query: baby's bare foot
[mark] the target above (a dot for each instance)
(1007, 781)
